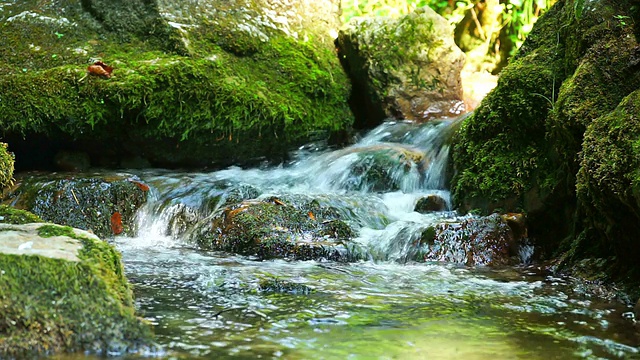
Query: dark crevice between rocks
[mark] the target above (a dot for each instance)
(367, 111)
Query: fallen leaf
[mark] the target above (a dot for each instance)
(143, 187)
(100, 69)
(116, 223)
(311, 216)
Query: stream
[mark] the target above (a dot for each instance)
(216, 305)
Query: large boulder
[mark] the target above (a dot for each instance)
(405, 68)
(103, 204)
(204, 83)
(524, 146)
(63, 289)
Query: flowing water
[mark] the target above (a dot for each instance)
(214, 305)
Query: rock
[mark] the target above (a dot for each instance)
(563, 118)
(9, 215)
(6, 166)
(608, 182)
(406, 68)
(83, 201)
(472, 241)
(430, 203)
(274, 229)
(380, 167)
(63, 289)
(194, 84)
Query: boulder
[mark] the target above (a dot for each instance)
(405, 68)
(103, 204)
(64, 290)
(189, 84)
(551, 127)
(271, 228)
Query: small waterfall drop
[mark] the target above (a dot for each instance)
(373, 185)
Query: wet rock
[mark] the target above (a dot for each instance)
(406, 68)
(194, 84)
(274, 229)
(64, 289)
(86, 202)
(472, 241)
(277, 286)
(430, 203)
(381, 167)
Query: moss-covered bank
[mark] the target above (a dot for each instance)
(50, 304)
(524, 146)
(211, 91)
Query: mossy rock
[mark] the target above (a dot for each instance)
(609, 185)
(194, 85)
(405, 68)
(520, 150)
(272, 228)
(10, 215)
(6, 166)
(104, 204)
(63, 289)
(472, 241)
(380, 167)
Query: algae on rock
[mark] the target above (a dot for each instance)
(406, 68)
(197, 84)
(51, 303)
(524, 146)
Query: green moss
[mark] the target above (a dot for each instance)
(6, 166)
(229, 95)
(10, 215)
(50, 305)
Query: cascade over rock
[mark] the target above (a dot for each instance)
(552, 126)
(204, 83)
(406, 68)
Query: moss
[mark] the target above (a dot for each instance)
(10, 215)
(276, 230)
(82, 202)
(50, 305)
(609, 184)
(231, 99)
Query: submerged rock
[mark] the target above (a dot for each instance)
(103, 204)
(406, 68)
(272, 228)
(472, 241)
(194, 84)
(63, 289)
(430, 203)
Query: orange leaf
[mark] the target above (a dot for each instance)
(311, 216)
(116, 223)
(143, 187)
(100, 69)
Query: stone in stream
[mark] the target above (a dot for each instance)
(271, 228)
(63, 289)
(430, 203)
(487, 240)
(103, 204)
(405, 68)
(381, 167)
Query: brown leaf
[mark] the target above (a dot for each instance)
(116, 223)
